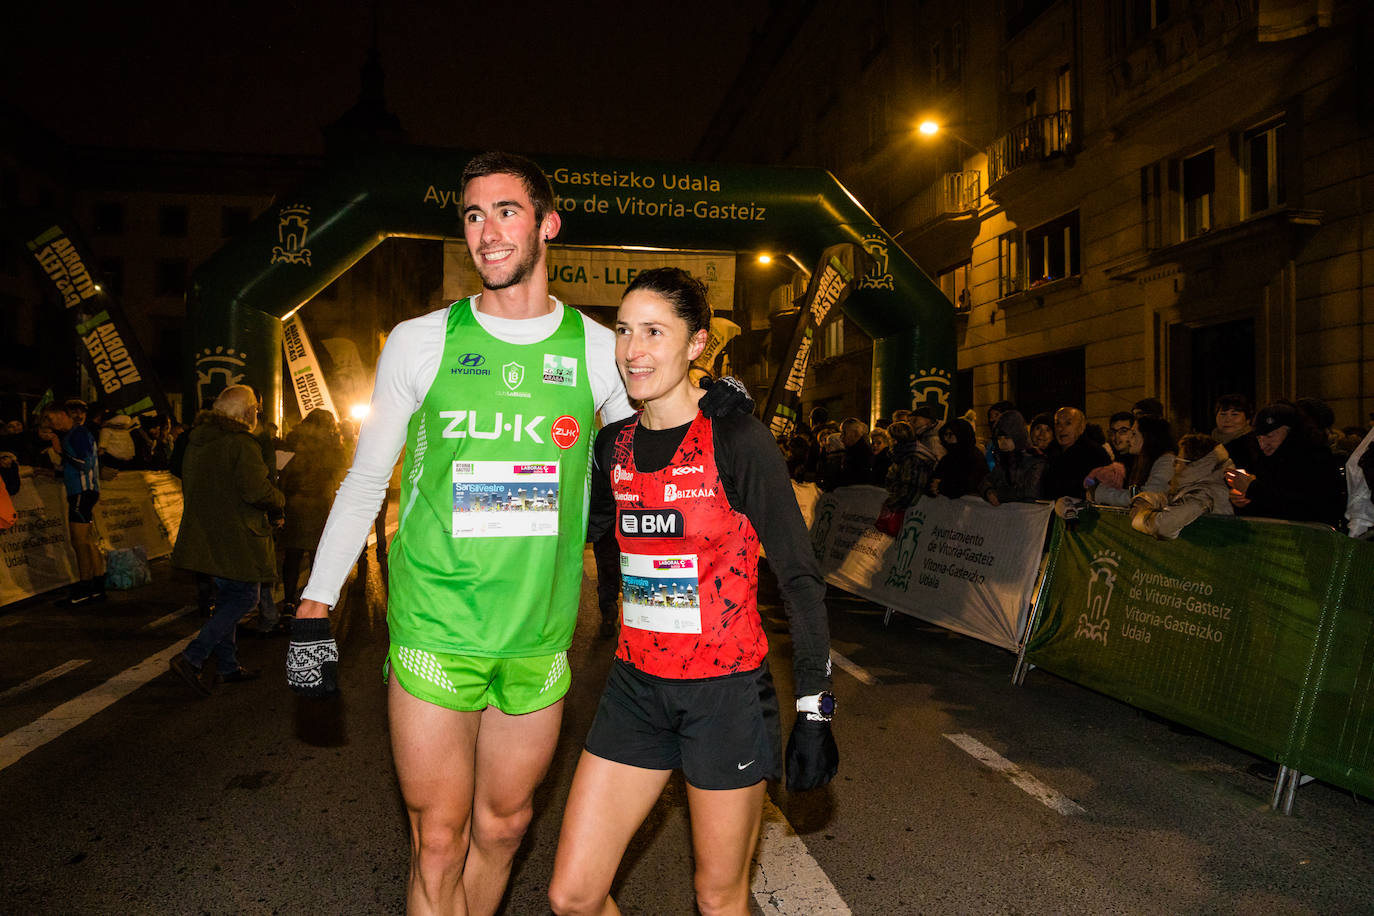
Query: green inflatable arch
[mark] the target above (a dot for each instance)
(239, 296)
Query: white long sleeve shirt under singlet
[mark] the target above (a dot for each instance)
(405, 372)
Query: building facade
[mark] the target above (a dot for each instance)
(1125, 198)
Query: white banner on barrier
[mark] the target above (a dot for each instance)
(136, 508)
(37, 549)
(958, 563)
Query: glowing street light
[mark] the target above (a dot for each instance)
(358, 411)
(929, 128)
(765, 259)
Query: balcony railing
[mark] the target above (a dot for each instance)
(960, 192)
(1032, 140)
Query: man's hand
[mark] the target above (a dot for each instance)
(725, 396)
(812, 757)
(312, 660)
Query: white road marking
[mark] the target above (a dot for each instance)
(1024, 781)
(168, 618)
(855, 670)
(787, 881)
(43, 678)
(72, 713)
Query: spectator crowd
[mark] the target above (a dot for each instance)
(293, 480)
(1288, 460)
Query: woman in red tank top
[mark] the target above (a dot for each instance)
(690, 687)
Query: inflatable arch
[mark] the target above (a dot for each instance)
(239, 297)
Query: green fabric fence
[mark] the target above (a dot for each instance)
(1256, 632)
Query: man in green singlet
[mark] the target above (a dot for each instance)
(494, 399)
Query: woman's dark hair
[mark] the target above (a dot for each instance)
(1157, 438)
(1235, 402)
(684, 292)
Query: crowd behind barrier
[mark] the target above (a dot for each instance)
(1257, 632)
(136, 509)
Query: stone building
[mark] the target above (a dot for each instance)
(1125, 198)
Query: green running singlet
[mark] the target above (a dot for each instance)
(487, 560)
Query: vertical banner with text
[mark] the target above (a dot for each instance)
(830, 285)
(108, 347)
(303, 369)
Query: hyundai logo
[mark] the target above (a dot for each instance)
(471, 360)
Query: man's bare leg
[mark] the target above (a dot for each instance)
(83, 545)
(513, 755)
(435, 752)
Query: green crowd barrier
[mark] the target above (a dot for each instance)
(1256, 632)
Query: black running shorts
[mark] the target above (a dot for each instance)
(81, 506)
(722, 731)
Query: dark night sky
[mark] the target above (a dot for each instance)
(598, 78)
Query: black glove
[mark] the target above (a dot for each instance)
(812, 757)
(312, 660)
(725, 396)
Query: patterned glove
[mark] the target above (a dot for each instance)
(312, 661)
(725, 396)
(812, 757)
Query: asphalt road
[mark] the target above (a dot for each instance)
(123, 793)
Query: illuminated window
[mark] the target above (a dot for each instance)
(1052, 250)
(1008, 264)
(954, 283)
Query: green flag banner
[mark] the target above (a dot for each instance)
(1256, 632)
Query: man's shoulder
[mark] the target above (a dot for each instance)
(597, 333)
(422, 326)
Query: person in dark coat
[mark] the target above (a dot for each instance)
(1284, 472)
(963, 469)
(309, 480)
(1072, 457)
(856, 467)
(230, 508)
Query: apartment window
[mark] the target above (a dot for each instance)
(1008, 264)
(1262, 169)
(954, 283)
(1197, 181)
(947, 55)
(233, 220)
(1052, 250)
(172, 221)
(169, 277)
(108, 218)
(937, 62)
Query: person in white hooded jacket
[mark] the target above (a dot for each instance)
(1197, 488)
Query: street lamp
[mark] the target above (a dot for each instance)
(930, 128)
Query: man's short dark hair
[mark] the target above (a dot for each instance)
(1235, 402)
(1122, 415)
(536, 183)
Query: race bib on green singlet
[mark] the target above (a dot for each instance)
(505, 499)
